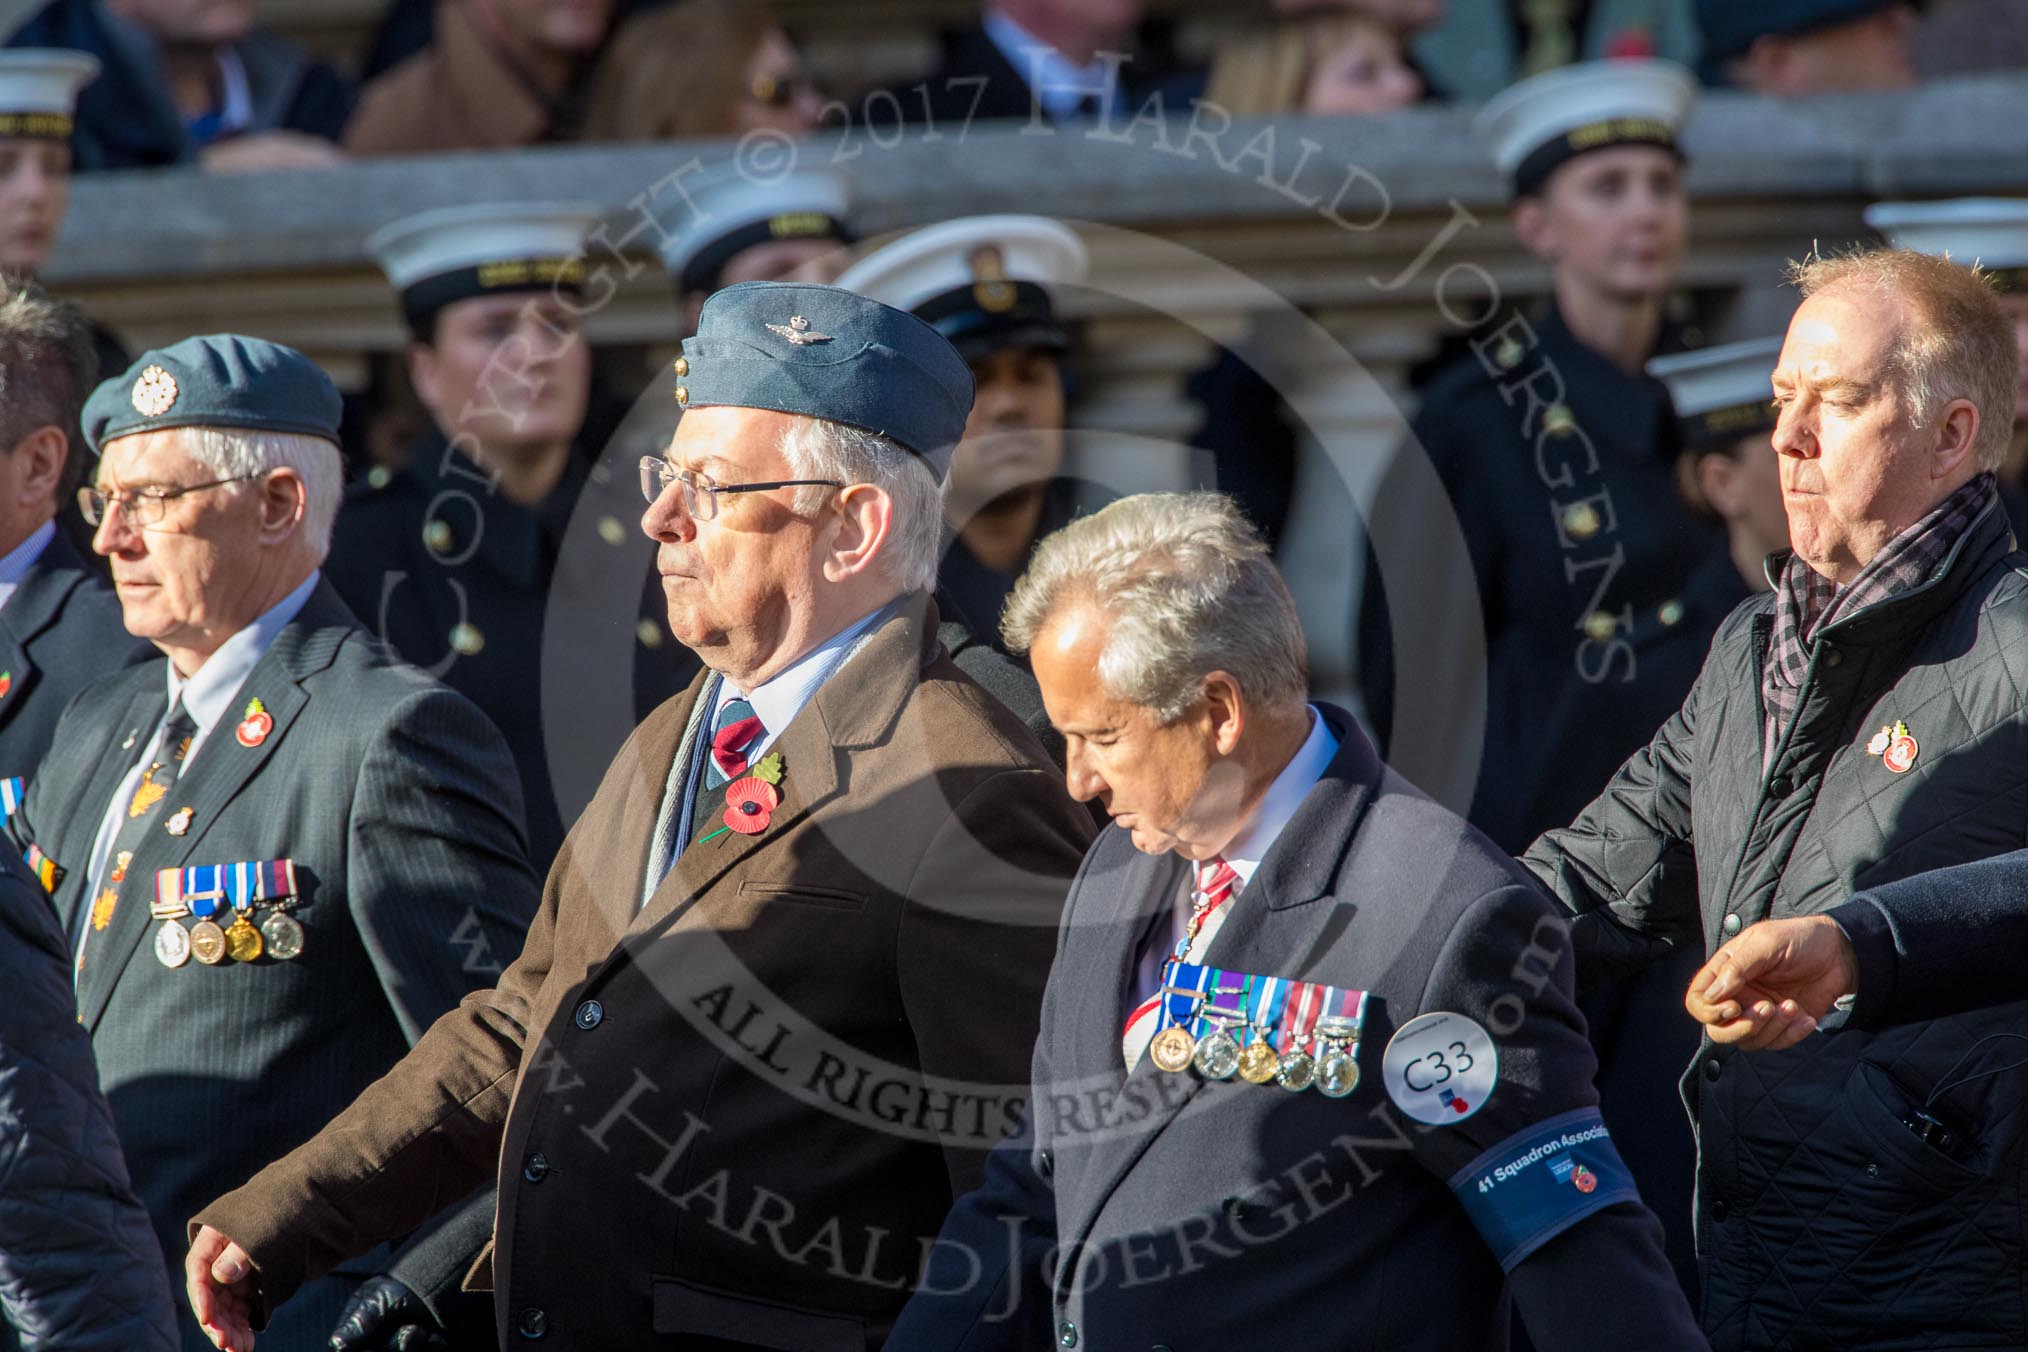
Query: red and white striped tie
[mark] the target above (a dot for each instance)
(1217, 883)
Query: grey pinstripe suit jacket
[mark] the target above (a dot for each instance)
(399, 805)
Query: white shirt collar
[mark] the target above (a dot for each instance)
(1282, 799)
(208, 691)
(778, 700)
(14, 565)
(1057, 83)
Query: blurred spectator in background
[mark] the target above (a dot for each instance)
(1549, 448)
(700, 68)
(985, 283)
(1324, 60)
(497, 73)
(1025, 58)
(193, 81)
(458, 559)
(1961, 37)
(1794, 47)
(1992, 232)
(1479, 47)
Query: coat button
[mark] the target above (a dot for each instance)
(1066, 1334)
(1718, 1210)
(682, 366)
(1712, 1069)
(590, 1014)
(534, 1325)
(536, 1167)
(1731, 925)
(1780, 786)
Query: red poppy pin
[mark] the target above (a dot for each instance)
(6, 683)
(255, 724)
(750, 801)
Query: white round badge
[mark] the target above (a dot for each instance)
(1440, 1068)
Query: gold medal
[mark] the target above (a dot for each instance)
(1258, 1063)
(172, 944)
(207, 943)
(242, 940)
(1172, 1049)
(284, 936)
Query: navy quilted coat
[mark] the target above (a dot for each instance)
(1824, 1223)
(80, 1270)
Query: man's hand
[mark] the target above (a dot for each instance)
(1768, 986)
(385, 1316)
(222, 1285)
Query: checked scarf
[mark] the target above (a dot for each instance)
(1806, 600)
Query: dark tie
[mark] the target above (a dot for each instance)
(735, 732)
(146, 806)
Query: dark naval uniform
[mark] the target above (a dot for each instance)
(549, 619)
(1557, 466)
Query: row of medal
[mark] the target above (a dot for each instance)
(206, 892)
(1297, 1033)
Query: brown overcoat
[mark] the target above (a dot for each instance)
(455, 94)
(742, 1111)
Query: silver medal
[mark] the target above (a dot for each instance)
(1217, 1055)
(172, 944)
(1297, 1072)
(1338, 1072)
(283, 935)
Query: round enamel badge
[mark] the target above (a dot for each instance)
(1900, 754)
(1440, 1068)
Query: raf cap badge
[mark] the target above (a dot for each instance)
(797, 331)
(154, 392)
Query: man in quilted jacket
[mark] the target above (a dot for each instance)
(79, 1267)
(1864, 723)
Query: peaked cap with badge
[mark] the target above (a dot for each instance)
(1720, 394)
(219, 380)
(1989, 231)
(1544, 122)
(708, 223)
(495, 248)
(825, 352)
(983, 282)
(39, 88)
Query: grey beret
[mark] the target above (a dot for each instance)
(219, 380)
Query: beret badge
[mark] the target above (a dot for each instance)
(797, 331)
(154, 392)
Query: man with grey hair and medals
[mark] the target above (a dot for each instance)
(779, 1000)
(273, 848)
(1308, 1034)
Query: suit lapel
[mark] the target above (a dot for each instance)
(32, 608)
(221, 770)
(70, 837)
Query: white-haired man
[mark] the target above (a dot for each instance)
(1218, 1151)
(279, 856)
(1852, 733)
(779, 1000)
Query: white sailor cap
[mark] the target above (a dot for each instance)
(1532, 127)
(984, 282)
(38, 90)
(455, 253)
(1721, 393)
(1989, 231)
(706, 223)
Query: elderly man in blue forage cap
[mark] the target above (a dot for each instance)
(1794, 47)
(274, 849)
(780, 997)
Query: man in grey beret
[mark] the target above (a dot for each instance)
(277, 854)
(780, 997)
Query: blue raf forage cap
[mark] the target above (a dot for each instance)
(827, 353)
(219, 380)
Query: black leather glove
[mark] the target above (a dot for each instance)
(385, 1316)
